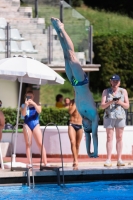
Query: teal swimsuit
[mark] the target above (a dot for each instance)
(74, 82)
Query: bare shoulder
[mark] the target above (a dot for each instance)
(72, 102)
(104, 93)
(124, 90)
(1, 113)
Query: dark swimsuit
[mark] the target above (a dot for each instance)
(32, 118)
(76, 126)
(74, 82)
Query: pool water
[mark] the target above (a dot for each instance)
(98, 190)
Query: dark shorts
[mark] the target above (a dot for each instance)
(76, 126)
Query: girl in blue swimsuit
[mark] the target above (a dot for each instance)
(30, 112)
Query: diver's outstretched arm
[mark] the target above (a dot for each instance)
(95, 136)
(72, 65)
(95, 142)
(91, 126)
(88, 143)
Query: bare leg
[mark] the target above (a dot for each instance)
(119, 144)
(75, 139)
(2, 123)
(38, 138)
(109, 143)
(72, 65)
(79, 135)
(28, 139)
(72, 137)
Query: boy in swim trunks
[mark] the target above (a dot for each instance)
(83, 97)
(75, 131)
(30, 111)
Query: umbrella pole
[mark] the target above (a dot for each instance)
(15, 143)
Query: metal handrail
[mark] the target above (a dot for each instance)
(51, 123)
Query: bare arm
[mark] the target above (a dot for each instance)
(124, 104)
(72, 108)
(37, 107)
(23, 110)
(105, 104)
(29, 102)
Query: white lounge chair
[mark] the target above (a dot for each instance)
(27, 47)
(15, 35)
(2, 50)
(55, 34)
(15, 48)
(2, 34)
(3, 22)
(81, 57)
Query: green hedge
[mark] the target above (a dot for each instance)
(54, 115)
(115, 54)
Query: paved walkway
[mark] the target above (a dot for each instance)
(89, 162)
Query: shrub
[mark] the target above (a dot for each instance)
(57, 116)
(114, 53)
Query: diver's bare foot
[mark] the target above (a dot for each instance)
(57, 24)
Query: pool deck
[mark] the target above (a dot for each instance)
(89, 169)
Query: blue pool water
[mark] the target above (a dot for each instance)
(100, 190)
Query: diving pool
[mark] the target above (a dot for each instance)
(98, 190)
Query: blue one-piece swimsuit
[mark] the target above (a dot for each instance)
(32, 118)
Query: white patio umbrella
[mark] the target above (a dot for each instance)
(27, 70)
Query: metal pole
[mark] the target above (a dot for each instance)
(8, 41)
(61, 11)
(90, 43)
(36, 8)
(15, 144)
(90, 47)
(49, 44)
